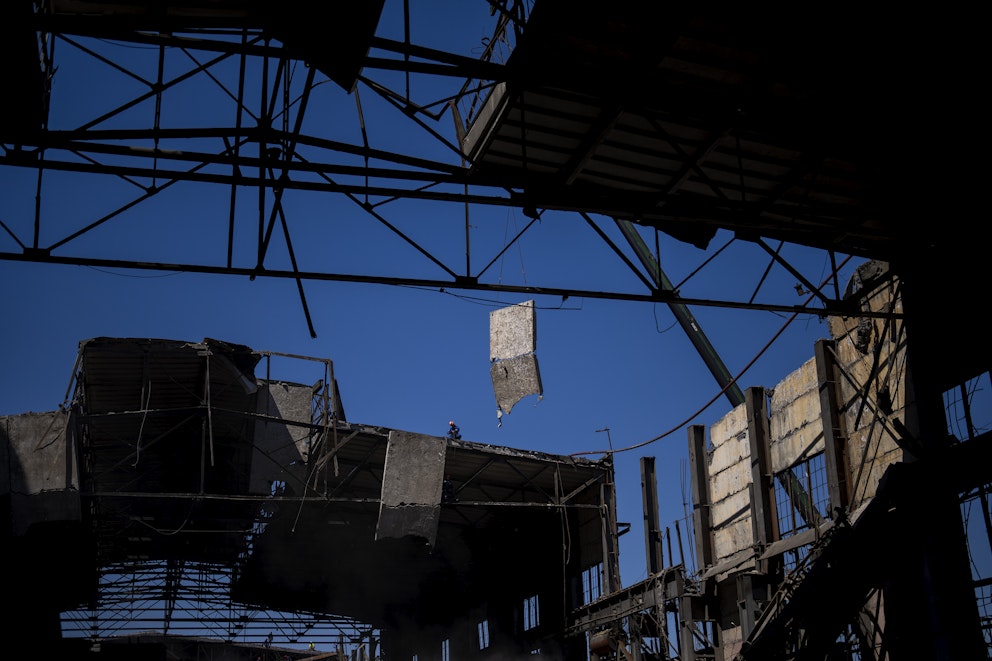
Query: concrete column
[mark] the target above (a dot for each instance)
(763, 483)
(834, 428)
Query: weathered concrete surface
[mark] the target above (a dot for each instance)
(872, 351)
(730, 477)
(869, 351)
(281, 448)
(37, 473)
(729, 441)
(795, 422)
(411, 486)
(513, 363)
(512, 331)
(870, 354)
(515, 378)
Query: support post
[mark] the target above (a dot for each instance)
(834, 428)
(652, 525)
(611, 561)
(701, 505)
(762, 481)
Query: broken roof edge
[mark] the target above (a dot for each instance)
(489, 448)
(244, 352)
(205, 343)
(532, 454)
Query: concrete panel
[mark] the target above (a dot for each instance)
(36, 457)
(872, 450)
(733, 506)
(728, 482)
(732, 424)
(795, 401)
(795, 421)
(731, 640)
(794, 385)
(729, 453)
(411, 486)
(512, 331)
(801, 445)
(856, 373)
(800, 413)
(280, 451)
(730, 474)
(514, 379)
(732, 538)
(45, 507)
(871, 352)
(512, 343)
(841, 326)
(728, 437)
(858, 340)
(42, 486)
(890, 376)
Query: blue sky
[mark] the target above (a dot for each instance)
(405, 358)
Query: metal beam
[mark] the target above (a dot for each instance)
(684, 316)
(701, 505)
(652, 524)
(43, 256)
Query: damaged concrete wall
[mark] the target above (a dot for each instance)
(871, 355)
(729, 481)
(872, 358)
(281, 448)
(412, 477)
(795, 419)
(39, 476)
(515, 378)
(796, 433)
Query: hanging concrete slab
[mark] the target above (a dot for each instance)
(513, 363)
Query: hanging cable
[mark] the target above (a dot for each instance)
(717, 396)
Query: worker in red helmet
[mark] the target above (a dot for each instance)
(454, 433)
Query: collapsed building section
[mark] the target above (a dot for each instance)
(825, 524)
(186, 469)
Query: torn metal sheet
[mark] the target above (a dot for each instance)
(513, 363)
(412, 474)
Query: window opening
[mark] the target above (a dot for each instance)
(802, 499)
(968, 408)
(483, 634)
(592, 583)
(531, 613)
